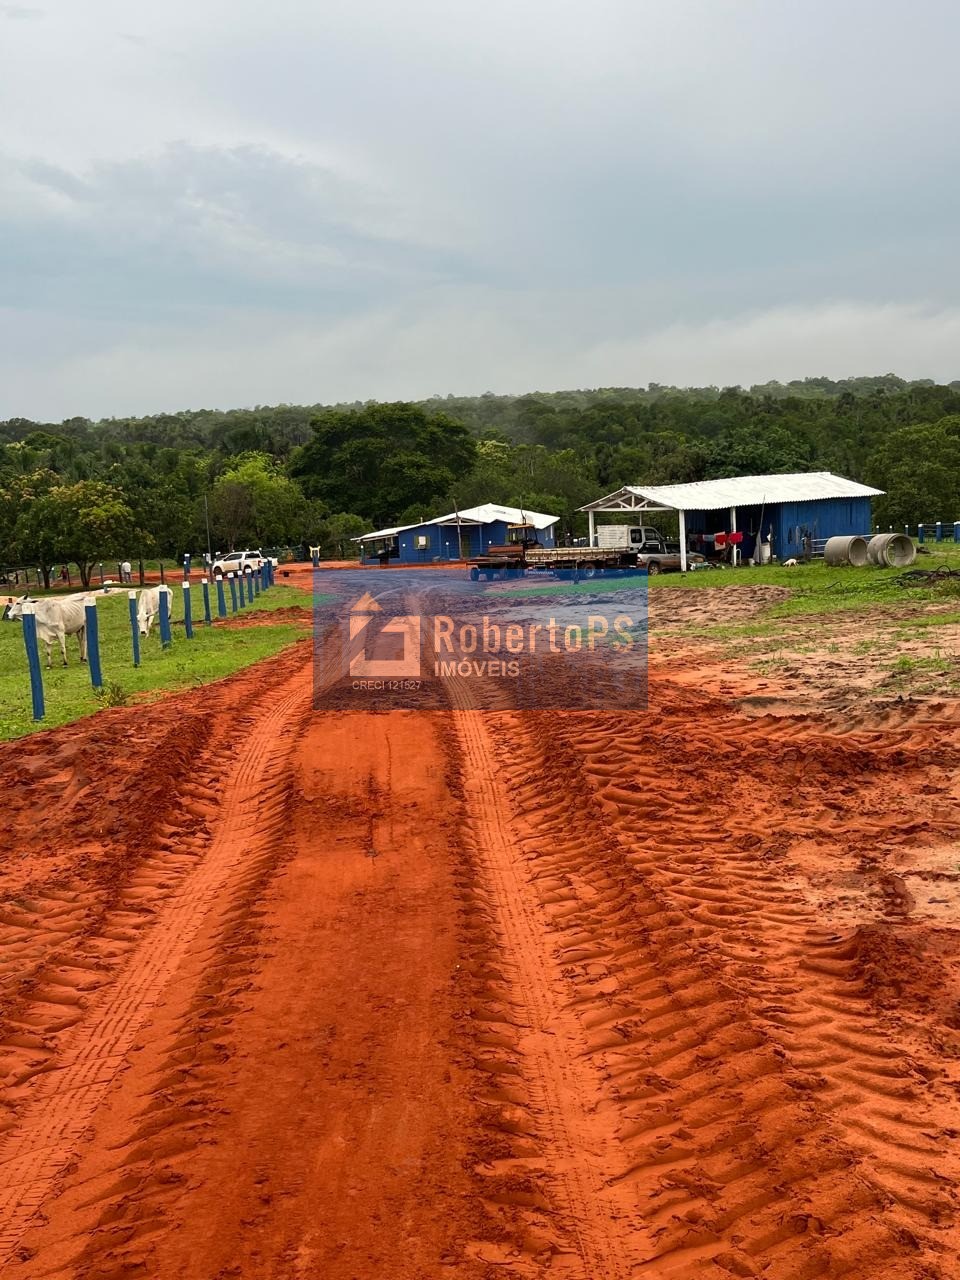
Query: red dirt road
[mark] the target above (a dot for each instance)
(671, 993)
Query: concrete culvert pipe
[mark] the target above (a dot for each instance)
(892, 550)
(846, 550)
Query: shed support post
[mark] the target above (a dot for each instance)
(591, 528)
(733, 529)
(683, 541)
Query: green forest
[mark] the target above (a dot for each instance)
(284, 475)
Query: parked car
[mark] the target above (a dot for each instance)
(239, 563)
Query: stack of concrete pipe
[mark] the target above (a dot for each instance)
(846, 550)
(891, 550)
(886, 550)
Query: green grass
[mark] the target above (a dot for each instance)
(905, 664)
(214, 652)
(818, 588)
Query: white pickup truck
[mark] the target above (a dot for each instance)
(654, 552)
(240, 562)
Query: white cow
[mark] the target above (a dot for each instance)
(58, 618)
(148, 607)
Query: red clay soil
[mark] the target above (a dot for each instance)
(672, 993)
(270, 617)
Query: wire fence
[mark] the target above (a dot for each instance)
(52, 618)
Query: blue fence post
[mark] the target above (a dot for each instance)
(939, 530)
(233, 592)
(263, 576)
(186, 564)
(165, 637)
(206, 602)
(33, 659)
(187, 611)
(249, 577)
(315, 556)
(255, 580)
(956, 530)
(134, 626)
(920, 534)
(221, 598)
(93, 645)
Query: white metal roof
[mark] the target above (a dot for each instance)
(381, 533)
(736, 491)
(486, 513)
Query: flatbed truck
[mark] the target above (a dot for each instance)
(515, 559)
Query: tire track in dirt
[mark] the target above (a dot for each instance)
(578, 1150)
(719, 858)
(690, 839)
(55, 1111)
(396, 1057)
(95, 844)
(672, 1171)
(736, 1084)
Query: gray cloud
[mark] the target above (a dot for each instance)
(19, 12)
(217, 203)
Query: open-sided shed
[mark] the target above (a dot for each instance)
(788, 511)
(457, 535)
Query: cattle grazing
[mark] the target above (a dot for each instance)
(148, 607)
(57, 619)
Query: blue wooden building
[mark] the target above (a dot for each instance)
(456, 536)
(793, 514)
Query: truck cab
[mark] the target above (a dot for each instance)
(634, 537)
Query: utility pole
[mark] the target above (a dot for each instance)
(206, 514)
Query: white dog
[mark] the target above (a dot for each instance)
(790, 564)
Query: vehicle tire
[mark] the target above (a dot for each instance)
(653, 567)
(474, 574)
(588, 571)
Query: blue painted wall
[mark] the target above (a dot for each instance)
(828, 518)
(823, 518)
(442, 542)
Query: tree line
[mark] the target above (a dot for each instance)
(83, 491)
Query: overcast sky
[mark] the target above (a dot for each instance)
(223, 203)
